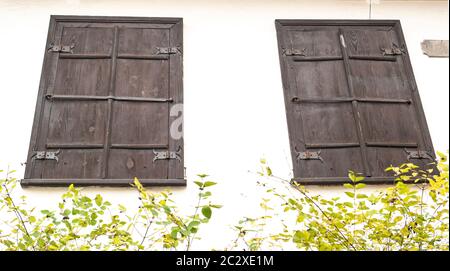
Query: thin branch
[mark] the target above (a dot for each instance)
(14, 207)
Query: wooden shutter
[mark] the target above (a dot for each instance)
(105, 104)
(351, 100)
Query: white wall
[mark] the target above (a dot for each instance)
(234, 109)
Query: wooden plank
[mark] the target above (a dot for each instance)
(175, 109)
(355, 106)
(82, 122)
(130, 163)
(111, 92)
(82, 77)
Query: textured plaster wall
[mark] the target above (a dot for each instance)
(234, 109)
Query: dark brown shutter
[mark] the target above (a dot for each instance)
(351, 99)
(103, 114)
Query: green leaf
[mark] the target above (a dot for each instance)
(193, 224)
(347, 185)
(360, 185)
(348, 204)
(359, 178)
(202, 175)
(98, 200)
(442, 156)
(199, 184)
(207, 212)
(350, 194)
(208, 184)
(300, 218)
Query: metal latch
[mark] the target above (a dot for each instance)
(46, 155)
(167, 50)
(309, 155)
(418, 155)
(61, 48)
(166, 155)
(395, 50)
(294, 52)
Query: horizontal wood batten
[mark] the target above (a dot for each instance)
(331, 145)
(143, 57)
(373, 58)
(346, 100)
(355, 144)
(73, 146)
(105, 98)
(84, 56)
(316, 58)
(393, 144)
(139, 146)
(100, 182)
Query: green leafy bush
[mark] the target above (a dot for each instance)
(84, 223)
(413, 214)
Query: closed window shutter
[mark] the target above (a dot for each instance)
(110, 94)
(351, 100)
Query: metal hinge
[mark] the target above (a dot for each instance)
(294, 52)
(46, 155)
(309, 155)
(61, 48)
(395, 50)
(167, 50)
(166, 155)
(418, 155)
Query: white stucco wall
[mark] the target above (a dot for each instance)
(233, 117)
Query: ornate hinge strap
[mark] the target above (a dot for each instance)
(294, 52)
(308, 155)
(395, 50)
(61, 48)
(418, 155)
(46, 155)
(167, 50)
(166, 155)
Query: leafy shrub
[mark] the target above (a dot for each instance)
(413, 214)
(84, 223)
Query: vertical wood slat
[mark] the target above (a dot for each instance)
(426, 142)
(288, 86)
(47, 107)
(356, 113)
(176, 168)
(111, 90)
